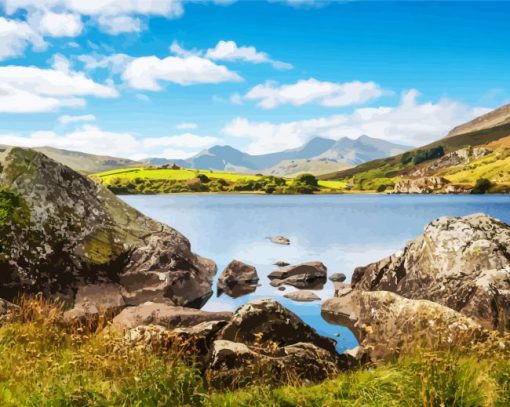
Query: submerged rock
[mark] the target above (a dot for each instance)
(302, 296)
(280, 240)
(165, 315)
(238, 279)
(64, 232)
(462, 263)
(310, 275)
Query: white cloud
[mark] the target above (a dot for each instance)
(311, 91)
(28, 89)
(408, 123)
(186, 126)
(15, 36)
(146, 72)
(115, 63)
(230, 51)
(119, 24)
(93, 140)
(56, 24)
(67, 119)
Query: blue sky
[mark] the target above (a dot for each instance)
(170, 77)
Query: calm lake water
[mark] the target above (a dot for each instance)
(342, 231)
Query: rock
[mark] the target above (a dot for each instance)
(389, 324)
(168, 316)
(280, 240)
(303, 296)
(263, 322)
(234, 364)
(281, 288)
(238, 279)
(462, 263)
(310, 275)
(8, 311)
(281, 264)
(426, 185)
(64, 232)
(458, 189)
(338, 277)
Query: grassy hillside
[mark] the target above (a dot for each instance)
(48, 363)
(166, 180)
(388, 171)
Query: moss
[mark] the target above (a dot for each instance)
(13, 209)
(100, 247)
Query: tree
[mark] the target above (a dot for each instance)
(482, 185)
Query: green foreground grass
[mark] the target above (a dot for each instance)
(166, 180)
(47, 364)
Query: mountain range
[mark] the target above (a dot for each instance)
(319, 155)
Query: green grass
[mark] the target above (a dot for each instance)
(46, 363)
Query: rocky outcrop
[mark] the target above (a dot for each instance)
(426, 185)
(238, 279)
(165, 315)
(389, 324)
(63, 232)
(462, 263)
(302, 296)
(310, 275)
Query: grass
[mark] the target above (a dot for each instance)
(46, 363)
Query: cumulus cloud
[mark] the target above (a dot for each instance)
(56, 24)
(94, 140)
(115, 63)
(186, 126)
(29, 89)
(410, 123)
(311, 91)
(230, 51)
(67, 119)
(16, 36)
(147, 72)
(119, 24)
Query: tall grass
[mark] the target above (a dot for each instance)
(47, 362)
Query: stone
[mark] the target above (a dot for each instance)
(459, 262)
(8, 311)
(302, 296)
(311, 275)
(165, 315)
(425, 185)
(338, 277)
(69, 232)
(281, 264)
(280, 240)
(238, 279)
(389, 324)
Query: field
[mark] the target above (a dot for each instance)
(166, 180)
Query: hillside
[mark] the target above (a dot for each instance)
(83, 162)
(460, 158)
(311, 157)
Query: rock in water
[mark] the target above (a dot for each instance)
(338, 277)
(310, 275)
(62, 231)
(302, 296)
(462, 263)
(280, 240)
(238, 279)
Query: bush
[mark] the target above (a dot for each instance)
(419, 156)
(482, 186)
(204, 179)
(381, 188)
(307, 179)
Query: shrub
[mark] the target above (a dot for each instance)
(381, 188)
(204, 179)
(482, 185)
(307, 179)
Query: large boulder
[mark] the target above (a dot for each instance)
(388, 324)
(238, 279)
(462, 263)
(61, 231)
(311, 275)
(165, 315)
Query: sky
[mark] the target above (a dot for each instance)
(169, 78)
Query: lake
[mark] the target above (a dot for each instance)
(342, 231)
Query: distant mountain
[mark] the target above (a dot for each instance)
(469, 152)
(316, 156)
(85, 163)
